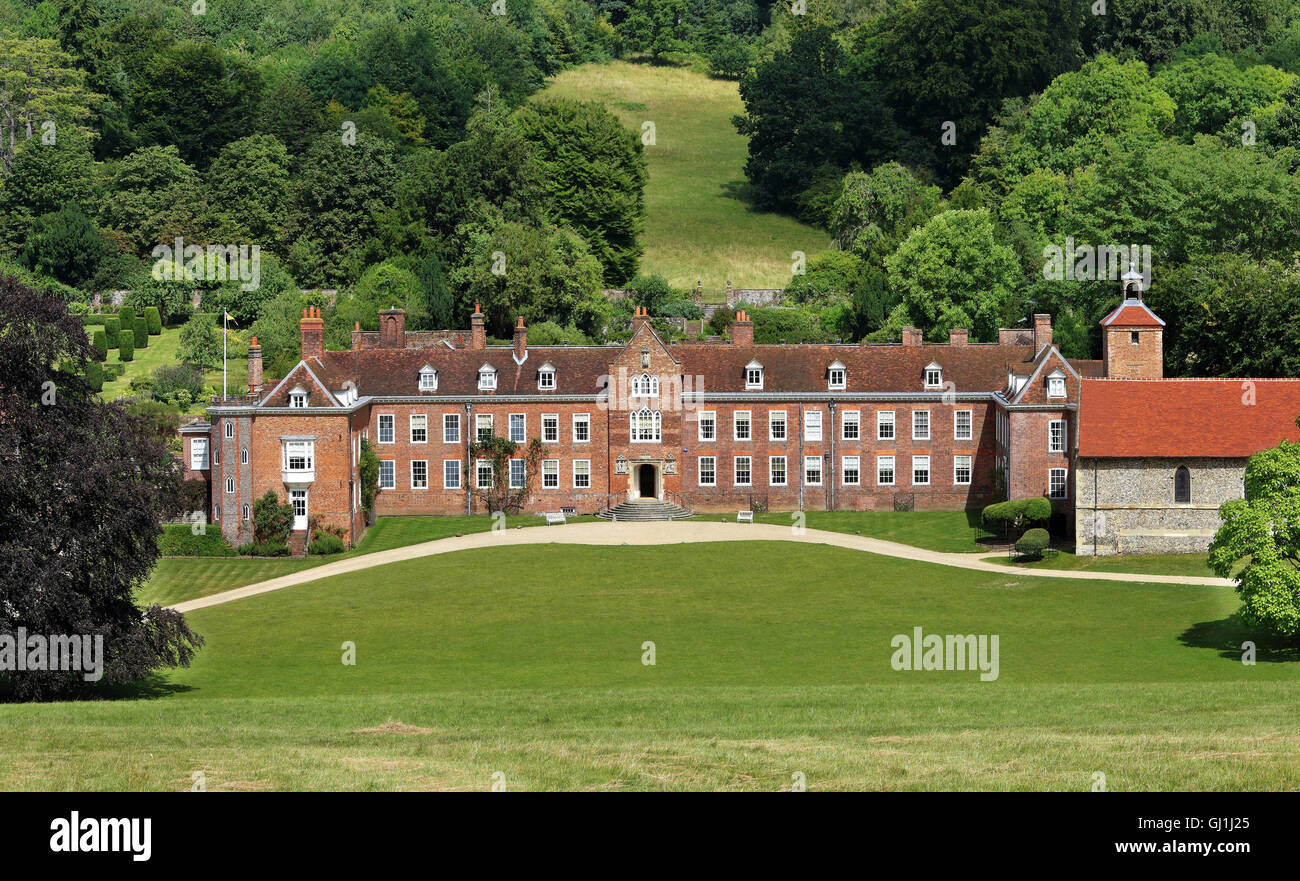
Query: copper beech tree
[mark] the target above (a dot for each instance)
(84, 487)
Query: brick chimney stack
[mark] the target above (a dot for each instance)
(477, 335)
(912, 336)
(742, 332)
(1042, 331)
(958, 336)
(392, 328)
(254, 367)
(312, 333)
(521, 339)
(639, 317)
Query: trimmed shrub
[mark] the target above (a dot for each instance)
(142, 333)
(264, 549)
(154, 319)
(93, 320)
(94, 376)
(112, 331)
(1033, 543)
(113, 371)
(126, 318)
(99, 342)
(1005, 517)
(324, 543)
(126, 345)
(180, 541)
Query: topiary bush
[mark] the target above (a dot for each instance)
(1033, 543)
(94, 376)
(126, 345)
(154, 319)
(99, 342)
(180, 541)
(1006, 517)
(126, 318)
(141, 333)
(112, 331)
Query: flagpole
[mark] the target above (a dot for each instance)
(224, 316)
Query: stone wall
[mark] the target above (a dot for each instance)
(1126, 506)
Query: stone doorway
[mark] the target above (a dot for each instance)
(647, 482)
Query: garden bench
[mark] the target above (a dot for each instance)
(744, 516)
(555, 518)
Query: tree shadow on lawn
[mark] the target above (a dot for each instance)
(152, 687)
(1227, 634)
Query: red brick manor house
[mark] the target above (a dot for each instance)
(671, 427)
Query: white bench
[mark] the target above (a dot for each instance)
(744, 516)
(555, 518)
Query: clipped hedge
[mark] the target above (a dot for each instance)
(113, 371)
(154, 319)
(265, 549)
(99, 342)
(1016, 514)
(94, 376)
(126, 345)
(1033, 543)
(141, 333)
(179, 540)
(112, 331)
(126, 318)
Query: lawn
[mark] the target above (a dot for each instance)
(1148, 564)
(699, 223)
(948, 531)
(771, 659)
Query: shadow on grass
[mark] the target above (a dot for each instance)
(1226, 636)
(149, 688)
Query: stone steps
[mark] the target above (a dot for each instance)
(645, 511)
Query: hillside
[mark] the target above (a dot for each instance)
(699, 225)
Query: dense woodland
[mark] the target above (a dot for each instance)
(392, 150)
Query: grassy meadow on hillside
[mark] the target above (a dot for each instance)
(699, 225)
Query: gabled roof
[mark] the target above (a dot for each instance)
(1132, 313)
(1181, 418)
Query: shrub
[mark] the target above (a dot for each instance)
(324, 543)
(113, 371)
(178, 384)
(1033, 543)
(264, 549)
(126, 345)
(112, 331)
(90, 320)
(141, 333)
(180, 541)
(95, 376)
(200, 342)
(1004, 517)
(154, 319)
(126, 318)
(99, 342)
(272, 520)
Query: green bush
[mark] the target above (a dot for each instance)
(126, 345)
(154, 319)
(99, 342)
(180, 541)
(1005, 517)
(272, 520)
(112, 331)
(324, 543)
(126, 318)
(93, 320)
(264, 549)
(113, 371)
(142, 333)
(1033, 543)
(94, 376)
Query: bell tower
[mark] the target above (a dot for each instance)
(1132, 336)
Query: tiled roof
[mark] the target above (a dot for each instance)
(1132, 313)
(1229, 418)
(790, 368)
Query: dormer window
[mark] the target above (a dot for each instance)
(487, 378)
(298, 398)
(546, 378)
(933, 376)
(836, 377)
(1056, 385)
(428, 379)
(753, 375)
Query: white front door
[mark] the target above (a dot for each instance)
(298, 498)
